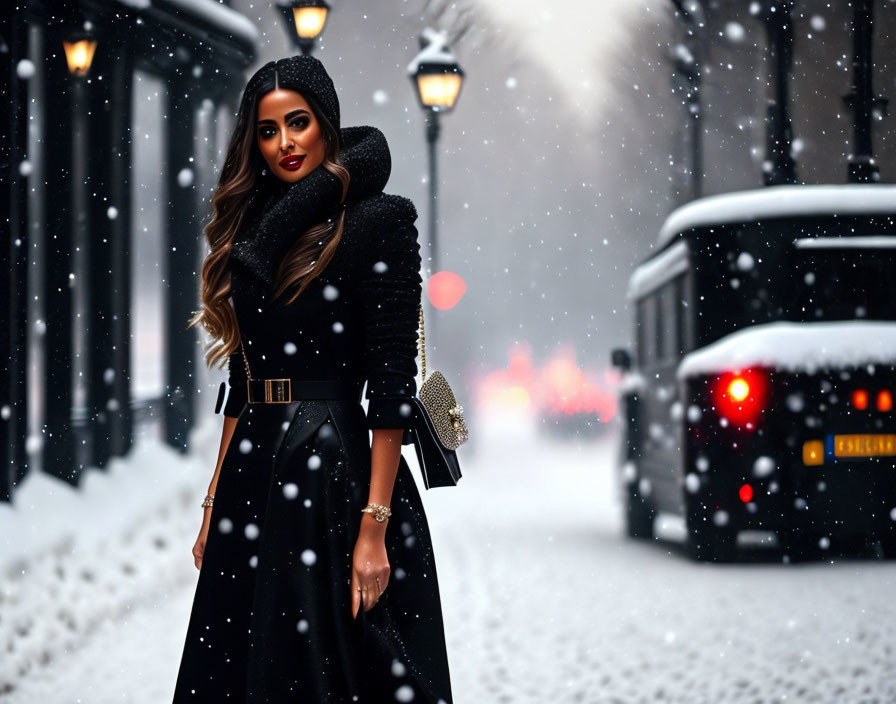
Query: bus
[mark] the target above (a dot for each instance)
(758, 397)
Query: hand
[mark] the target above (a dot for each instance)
(370, 567)
(199, 546)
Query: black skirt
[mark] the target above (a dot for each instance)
(271, 619)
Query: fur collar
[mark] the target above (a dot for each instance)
(289, 209)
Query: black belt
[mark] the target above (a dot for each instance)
(291, 390)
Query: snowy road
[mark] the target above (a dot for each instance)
(545, 601)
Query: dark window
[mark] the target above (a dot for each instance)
(646, 332)
(844, 284)
(681, 316)
(662, 324)
(667, 322)
(671, 320)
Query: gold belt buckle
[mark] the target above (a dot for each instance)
(278, 391)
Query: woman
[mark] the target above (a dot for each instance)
(309, 589)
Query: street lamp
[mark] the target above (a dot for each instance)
(305, 20)
(437, 80)
(79, 46)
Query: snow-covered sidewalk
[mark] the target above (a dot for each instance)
(77, 564)
(544, 599)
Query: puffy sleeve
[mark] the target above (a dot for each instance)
(390, 289)
(237, 397)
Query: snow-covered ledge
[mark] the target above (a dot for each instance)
(225, 19)
(792, 346)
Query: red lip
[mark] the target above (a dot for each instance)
(292, 162)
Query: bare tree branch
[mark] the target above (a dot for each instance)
(455, 17)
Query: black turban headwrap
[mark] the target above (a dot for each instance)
(304, 74)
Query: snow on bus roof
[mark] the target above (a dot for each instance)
(777, 202)
(794, 346)
(656, 271)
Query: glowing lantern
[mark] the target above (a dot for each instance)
(310, 20)
(79, 47)
(304, 21)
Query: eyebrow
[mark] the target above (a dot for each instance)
(287, 117)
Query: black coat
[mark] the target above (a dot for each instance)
(271, 619)
(358, 319)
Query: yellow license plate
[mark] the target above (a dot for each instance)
(864, 445)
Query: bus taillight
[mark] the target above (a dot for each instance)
(884, 401)
(860, 399)
(740, 396)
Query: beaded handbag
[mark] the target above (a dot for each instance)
(438, 399)
(439, 427)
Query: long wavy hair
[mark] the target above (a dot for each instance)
(231, 204)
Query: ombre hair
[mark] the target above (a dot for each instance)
(240, 178)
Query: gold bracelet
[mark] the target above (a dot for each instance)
(380, 512)
(208, 501)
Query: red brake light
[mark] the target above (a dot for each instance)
(884, 401)
(860, 399)
(740, 396)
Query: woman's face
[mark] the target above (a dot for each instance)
(289, 135)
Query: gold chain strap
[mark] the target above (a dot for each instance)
(422, 341)
(245, 359)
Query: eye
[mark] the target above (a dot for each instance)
(265, 132)
(299, 122)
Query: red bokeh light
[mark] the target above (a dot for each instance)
(884, 401)
(745, 493)
(557, 386)
(860, 399)
(445, 289)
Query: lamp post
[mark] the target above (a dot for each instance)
(688, 60)
(64, 165)
(865, 106)
(305, 20)
(437, 80)
(780, 166)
